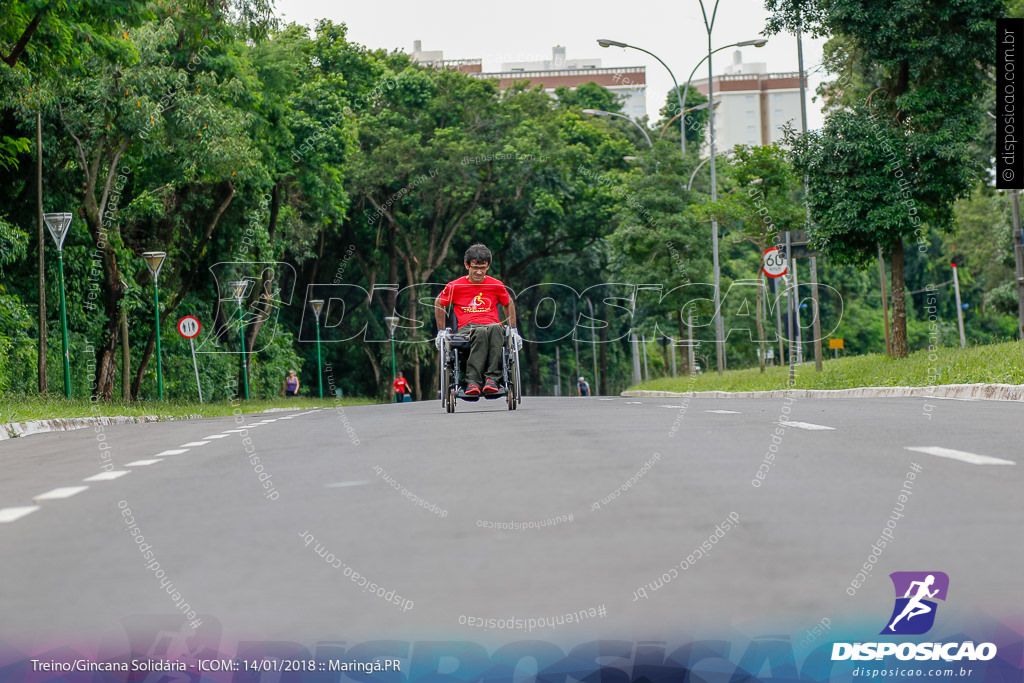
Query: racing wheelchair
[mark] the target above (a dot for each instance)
(452, 369)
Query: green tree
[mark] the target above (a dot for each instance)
(760, 205)
(589, 96)
(893, 156)
(695, 121)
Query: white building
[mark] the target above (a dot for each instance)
(751, 104)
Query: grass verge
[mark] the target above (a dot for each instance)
(27, 407)
(991, 364)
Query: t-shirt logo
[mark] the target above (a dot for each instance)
(477, 305)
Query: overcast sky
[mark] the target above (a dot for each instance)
(527, 30)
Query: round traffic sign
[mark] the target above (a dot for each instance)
(188, 327)
(774, 262)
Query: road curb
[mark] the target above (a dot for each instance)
(968, 392)
(14, 430)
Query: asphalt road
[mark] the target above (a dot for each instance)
(237, 553)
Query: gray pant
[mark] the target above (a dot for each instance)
(485, 344)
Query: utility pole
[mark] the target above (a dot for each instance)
(959, 308)
(1018, 258)
(42, 255)
(885, 300)
(814, 264)
(636, 358)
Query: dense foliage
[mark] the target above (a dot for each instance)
(309, 167)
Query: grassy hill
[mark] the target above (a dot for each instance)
(996, 364)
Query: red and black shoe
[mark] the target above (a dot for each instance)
(472, 389)
(491, 387)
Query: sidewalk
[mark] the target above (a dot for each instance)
(964, 392)
(13, 430)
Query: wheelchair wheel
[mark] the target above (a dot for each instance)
(513, 380)
(519, 383)
(442, 380)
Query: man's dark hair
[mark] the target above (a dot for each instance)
(477, 252)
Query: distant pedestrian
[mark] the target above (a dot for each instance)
(582, 387)
(291, 385)
(402, 389)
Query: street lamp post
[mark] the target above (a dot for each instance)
(317, 305)
(155, 261)
(58, 224)
(719, 331)
(239, 288)
(593, 342)
(708, 24)
(392, 322)
(600, 112)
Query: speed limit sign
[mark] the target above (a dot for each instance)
(188, 327)
(774, 262)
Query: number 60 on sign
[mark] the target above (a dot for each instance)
(774, 261)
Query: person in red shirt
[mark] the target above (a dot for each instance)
(401, 387)
(476, 298)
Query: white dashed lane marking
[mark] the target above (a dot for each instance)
(669, 406)
(15, 513)
(12, 514)
(634, 403)
(63, 492)
(106, 476)
(963, 456)
(724, 412)
(806, 425)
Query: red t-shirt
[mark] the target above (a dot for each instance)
(401, 386)
(475, 303)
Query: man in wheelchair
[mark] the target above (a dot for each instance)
(474, 299)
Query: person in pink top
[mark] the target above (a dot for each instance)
(476, 298)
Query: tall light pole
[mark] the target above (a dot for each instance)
(155, 261)
(317, 305)
(58, 224)
(392, 322)
(601, 112)
(593, 341)
(239, 288)
(709, 24)
(759, 42)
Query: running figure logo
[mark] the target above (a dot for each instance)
(914, 612)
